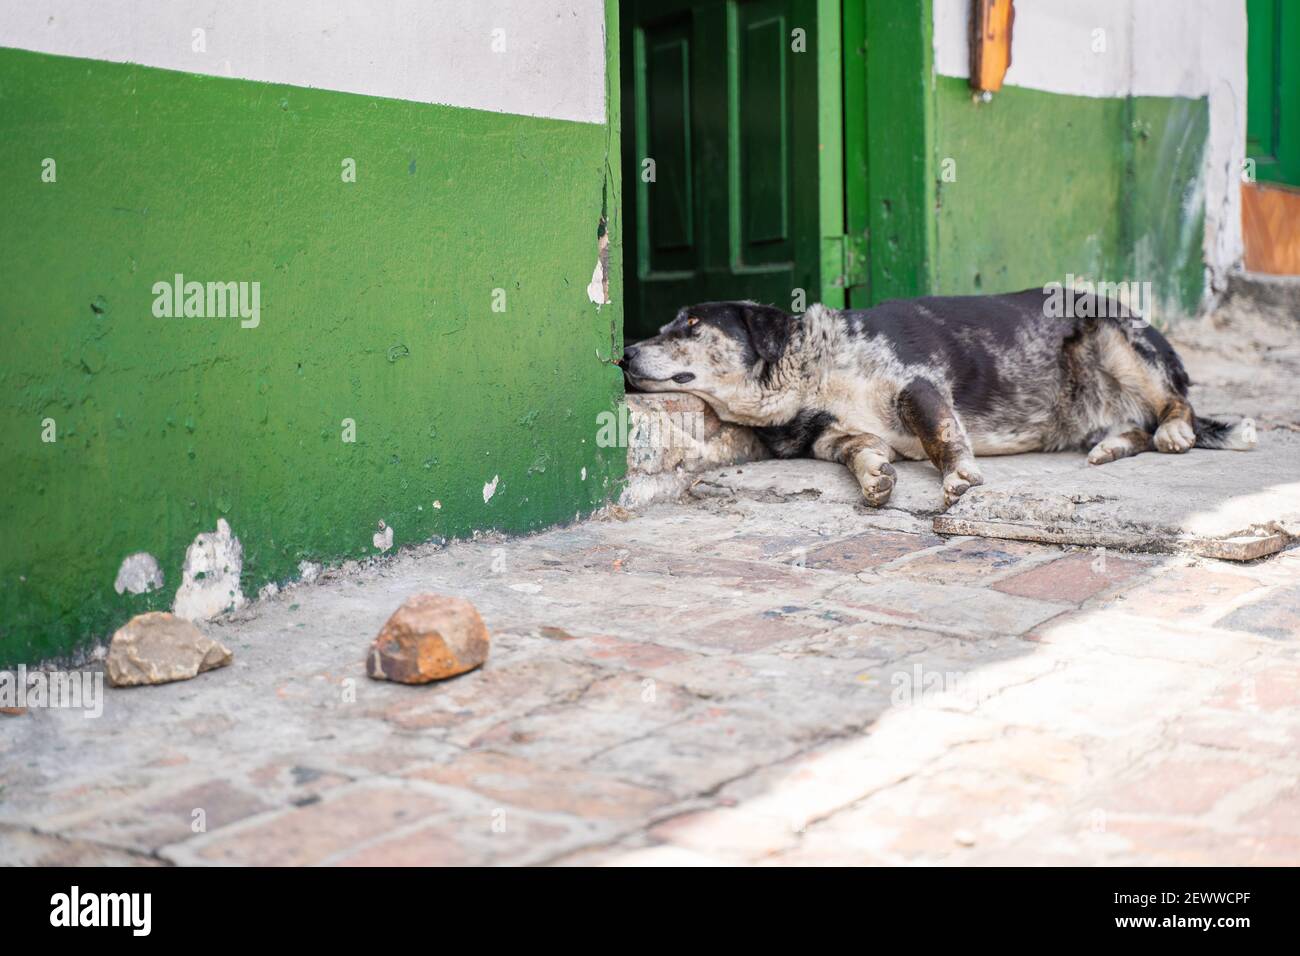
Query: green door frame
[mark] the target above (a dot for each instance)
(830, 156)
(890, 187)
(876, 184)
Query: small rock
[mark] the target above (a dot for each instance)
(428, 638)
(158, 647)
(964, 838)
(555, 633)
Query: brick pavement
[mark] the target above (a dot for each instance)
(721, 682)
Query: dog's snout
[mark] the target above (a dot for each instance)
(629, 353)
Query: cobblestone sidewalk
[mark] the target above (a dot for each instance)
(729, 681)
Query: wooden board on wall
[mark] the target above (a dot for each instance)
(1270, 221)
(990, 43)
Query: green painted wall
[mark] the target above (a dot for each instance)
(1048, 184)
(1165, 214)
(376, 305)
(1038, 187)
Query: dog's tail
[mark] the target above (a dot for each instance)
(1212, 433)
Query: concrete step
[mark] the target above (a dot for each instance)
(1280, 294)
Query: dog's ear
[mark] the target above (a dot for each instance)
(682, 313)
(769, 330)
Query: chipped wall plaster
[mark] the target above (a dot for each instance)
(139, 574)
(210, 575)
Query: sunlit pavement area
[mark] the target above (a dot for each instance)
(741, 677)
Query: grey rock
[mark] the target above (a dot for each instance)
(157, 648)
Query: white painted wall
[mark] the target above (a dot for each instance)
(428, 51)
(1153, 48)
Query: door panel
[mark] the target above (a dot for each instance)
(1273, 89)
(715, 94)
(762, 140)
(670, 213)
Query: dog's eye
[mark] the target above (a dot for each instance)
(692, 321)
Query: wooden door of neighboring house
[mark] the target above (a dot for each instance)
(732, 154)
(1271, 203)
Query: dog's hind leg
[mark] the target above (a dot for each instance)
(1149, 374)
(929, 415)
(867, 456)
(1123, 442)
(1177, 430)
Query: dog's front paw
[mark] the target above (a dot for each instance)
(960, 480)
(878, 484)
(1108, 450)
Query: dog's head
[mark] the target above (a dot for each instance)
(725, 352)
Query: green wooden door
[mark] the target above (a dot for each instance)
(732, 154)
(1273, 89)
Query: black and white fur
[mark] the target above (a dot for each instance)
(943, 378)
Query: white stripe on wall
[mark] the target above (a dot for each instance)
(1188, 48)
(427, 51)
(1151, 47)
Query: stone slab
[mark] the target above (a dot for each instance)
(1235, 506)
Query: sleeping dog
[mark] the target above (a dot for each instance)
(945, 378)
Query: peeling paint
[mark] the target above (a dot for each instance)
(490, 489)
(383, 538)
(210, 575)
(138, 574)
(598, 287)
(308, 571)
